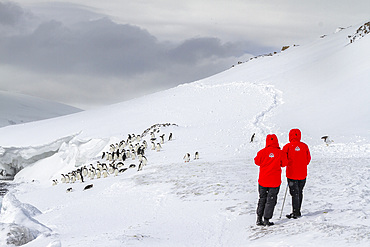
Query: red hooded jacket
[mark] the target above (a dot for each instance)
(270, 160)
(298, 156)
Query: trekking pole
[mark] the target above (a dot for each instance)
(286, 190)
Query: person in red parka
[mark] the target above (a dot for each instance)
(299, 157)
(270, 160)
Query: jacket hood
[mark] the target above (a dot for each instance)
(295, 135)
(272, 141)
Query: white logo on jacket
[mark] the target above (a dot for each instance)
(297, 149)
(271, 155)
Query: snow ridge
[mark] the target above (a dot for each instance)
(14, 159)
(18, 219)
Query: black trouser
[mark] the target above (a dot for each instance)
(267, 201)
(296, 191)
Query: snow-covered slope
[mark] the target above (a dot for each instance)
(321, 88)
(17, 108)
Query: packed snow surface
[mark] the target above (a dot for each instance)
(321, 88)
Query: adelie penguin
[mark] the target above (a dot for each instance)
(63, 179)
(140, 167)
(252, 138)
(187, 157)
(122, 170)
(162, 138)
(105, 173)
(159, 147)
(327, 140)
(88, 186)
(67, 179)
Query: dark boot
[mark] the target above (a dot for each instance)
(259, 221)
(293, 216)
(266, 222)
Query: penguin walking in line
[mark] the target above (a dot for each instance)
(85, 171)
(67, 179)
(105, 173)
(162, 138)
(98, 173)
(159, 147)
(63, 179)
(143, 159)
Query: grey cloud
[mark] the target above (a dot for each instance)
(98, 61)
(99, 47)
(194, 49)
(10, 13)
(103, 47)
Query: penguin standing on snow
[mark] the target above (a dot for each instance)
(152, 136)
(140, 167)
(84, 172)
(63, 179)
(143, 159)
(159, 147)
(326, 140)
(115, 171)
(105, 173)
(110, 157)
(79, 175)
(98, 173)
(123, 156)
(111, 168)
(67, 179)
(162, 138)
(252, 138)
(92, 173)
(187, 157)
(145, 144)
(196, 156)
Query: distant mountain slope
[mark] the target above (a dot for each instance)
(17, 108)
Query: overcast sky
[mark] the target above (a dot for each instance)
(93, 52)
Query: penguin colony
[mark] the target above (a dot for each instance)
(112, 162)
